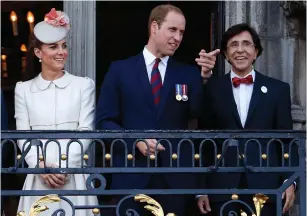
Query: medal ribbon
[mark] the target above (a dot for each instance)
(185, 89)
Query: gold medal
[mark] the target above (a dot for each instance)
(178, 97)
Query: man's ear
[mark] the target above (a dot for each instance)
(256, 51)
(226, 56)
(154, 27)
(38, 53)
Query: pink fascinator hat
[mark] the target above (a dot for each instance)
(54, 28)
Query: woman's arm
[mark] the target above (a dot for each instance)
(23, 123)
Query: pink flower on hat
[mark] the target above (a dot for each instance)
(57, 18)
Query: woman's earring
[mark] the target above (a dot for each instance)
(40, 60)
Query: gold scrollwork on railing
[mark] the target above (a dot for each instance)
(259, 200)
(156, 209)
(39, 206)
(153, 206)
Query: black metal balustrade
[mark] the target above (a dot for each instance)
(292, 145)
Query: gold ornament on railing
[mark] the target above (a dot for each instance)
(259, 200)
(153, 206)
(37, 207)
(242, 213)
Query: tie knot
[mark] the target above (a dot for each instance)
(237, 81)
(157, 61)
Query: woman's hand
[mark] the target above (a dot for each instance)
(52, 180)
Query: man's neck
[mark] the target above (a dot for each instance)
(152, 48)
(242, 73)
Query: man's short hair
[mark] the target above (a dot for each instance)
(159, 13)
(237, 29)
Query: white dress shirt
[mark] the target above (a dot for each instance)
(150, 61)
(242, 95)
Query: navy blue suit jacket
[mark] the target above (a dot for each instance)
(267, 111)
(126, 102)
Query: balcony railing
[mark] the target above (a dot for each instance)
(292, 155)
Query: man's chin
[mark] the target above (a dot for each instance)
(170, 53)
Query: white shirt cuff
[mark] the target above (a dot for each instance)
(197, 196)
(293, 183)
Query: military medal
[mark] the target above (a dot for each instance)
(185, 92)
(178, 92)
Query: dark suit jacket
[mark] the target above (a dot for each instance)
(267, 111)
(126, 102)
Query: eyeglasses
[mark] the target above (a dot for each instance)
(245, 45)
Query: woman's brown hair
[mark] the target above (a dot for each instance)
(33, 66)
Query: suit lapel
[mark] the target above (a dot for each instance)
(256, 95)
(229, 99)
(170, 77)
(143, 76)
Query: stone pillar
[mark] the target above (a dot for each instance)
(284, 53)
(82, 38)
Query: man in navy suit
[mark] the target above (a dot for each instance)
(153, 91)
(245, 99)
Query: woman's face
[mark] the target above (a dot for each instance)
(53, 56)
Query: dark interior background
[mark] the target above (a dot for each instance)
(10, 44)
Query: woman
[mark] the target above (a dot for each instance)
(55, 100)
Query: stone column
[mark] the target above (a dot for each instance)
(82, 38)
(284, 52)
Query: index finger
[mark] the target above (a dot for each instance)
(214, 52)
(60, 176)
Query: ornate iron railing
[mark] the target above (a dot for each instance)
(292, 145)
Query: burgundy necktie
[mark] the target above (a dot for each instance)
(156, 81)
(237, 81)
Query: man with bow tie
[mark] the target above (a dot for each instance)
(244, 99)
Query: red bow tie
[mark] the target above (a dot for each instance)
(237, 81)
